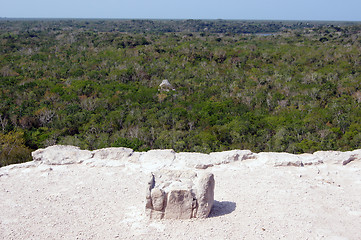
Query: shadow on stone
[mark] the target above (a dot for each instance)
(222, 208)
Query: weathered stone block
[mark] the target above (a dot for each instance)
(179, 204)
(158, 198)
(176, 194)
(205, 195)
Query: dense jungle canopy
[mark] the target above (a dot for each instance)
(263, 86)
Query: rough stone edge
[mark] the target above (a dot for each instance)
(134, 158)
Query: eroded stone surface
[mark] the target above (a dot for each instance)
(205, 194)
(60, 155)
(158, 198)
(175, 194)
(155, 160)
(179, 204)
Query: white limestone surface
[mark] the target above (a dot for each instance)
(68, 193)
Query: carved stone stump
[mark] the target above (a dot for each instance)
(175, 194)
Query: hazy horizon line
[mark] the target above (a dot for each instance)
(173, 19)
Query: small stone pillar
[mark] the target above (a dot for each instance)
(173, 194)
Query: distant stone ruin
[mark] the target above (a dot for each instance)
(174, 194)
(165, 86)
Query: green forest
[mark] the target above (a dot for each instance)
(264, 86)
